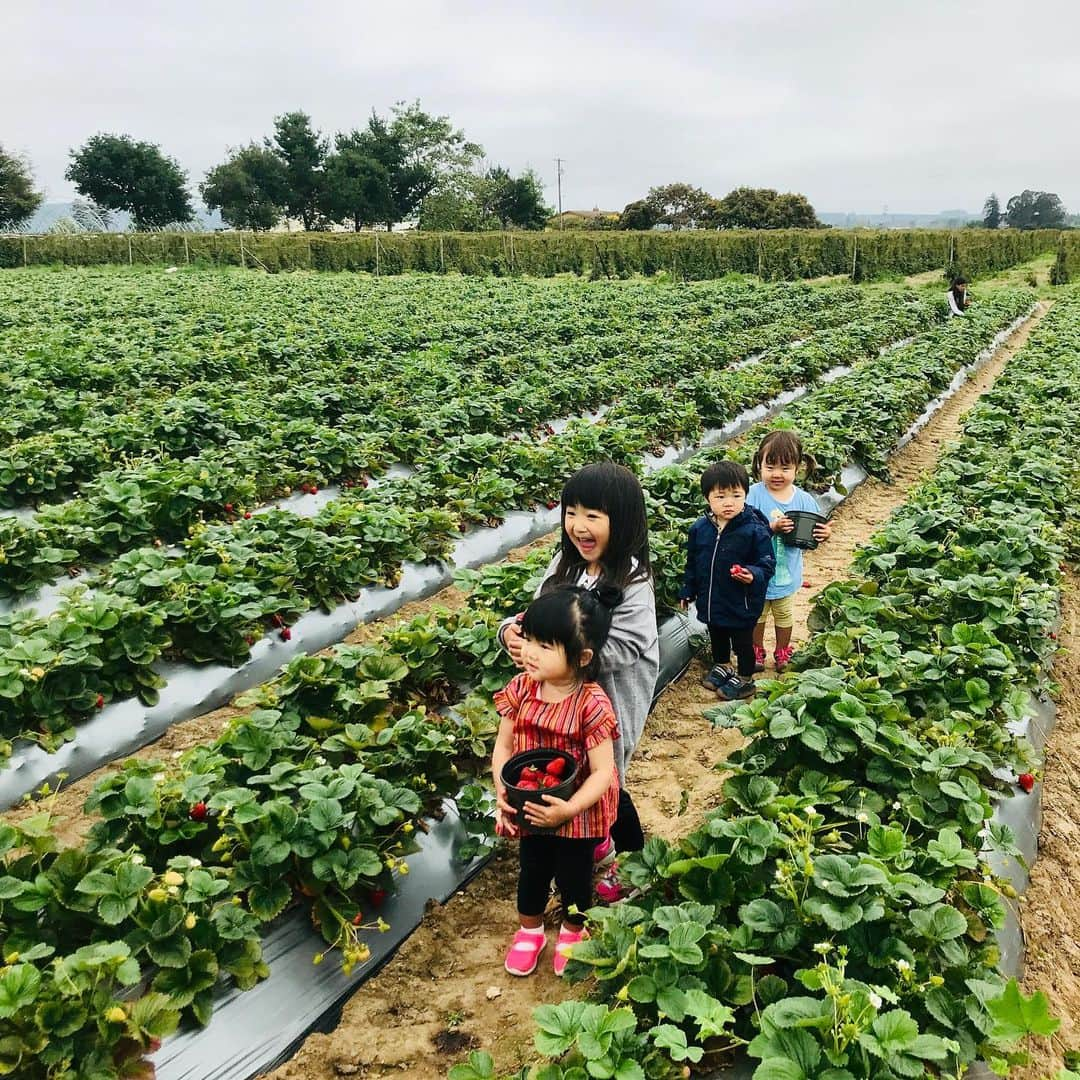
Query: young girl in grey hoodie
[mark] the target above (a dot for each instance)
(605, 537)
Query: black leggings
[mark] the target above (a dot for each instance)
(738, 639)
(567, 860)
(626, 831)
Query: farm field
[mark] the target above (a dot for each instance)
(216, 459)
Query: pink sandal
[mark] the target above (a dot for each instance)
(524, 952)
(567, 938)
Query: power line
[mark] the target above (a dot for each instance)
(558, 186)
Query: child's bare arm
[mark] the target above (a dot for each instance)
(500, 755)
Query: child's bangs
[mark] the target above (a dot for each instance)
(593, 488)
(550, 619)
(781, 448)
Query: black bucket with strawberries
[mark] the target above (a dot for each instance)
(532, 774)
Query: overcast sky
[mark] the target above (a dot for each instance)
(860, 104)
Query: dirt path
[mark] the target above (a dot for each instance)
(1051, 915)
(445, 991)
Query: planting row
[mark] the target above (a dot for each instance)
(331, 408)
(835, 916)
(311, 798)
(233, 582)
(162, 500)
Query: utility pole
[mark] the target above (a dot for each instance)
(558, 186)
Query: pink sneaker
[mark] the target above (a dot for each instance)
(759, 658)
(524, 952)
(782, 657)
(603, 853)
(609, 889)
(567, 939)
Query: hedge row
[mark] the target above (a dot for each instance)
(774, 255)
(1067, 266)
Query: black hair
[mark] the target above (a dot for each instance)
(616, 491)
(724, 474)
(960, 298)
(785, 448)
(575, 618)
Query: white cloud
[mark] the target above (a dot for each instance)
(919, 105)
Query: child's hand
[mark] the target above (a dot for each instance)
(512, 641)
(502, 805)
(505, 826)
(822, 531)
(684, 605)
(782, 524)
(549, 814)
(741, 574)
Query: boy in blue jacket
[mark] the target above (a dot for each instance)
(729, 563)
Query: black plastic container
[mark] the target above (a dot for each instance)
(802, 536)
(518, 797)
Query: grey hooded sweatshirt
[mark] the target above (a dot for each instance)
(629, 661)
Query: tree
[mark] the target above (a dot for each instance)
(117, 173)
(679, 205)
(251, 189)
(303, 152)
(1035, 210)
(762, 208)
(357, 185)
(519, 201)
(991, 213)
(18, 199)
(639, 215)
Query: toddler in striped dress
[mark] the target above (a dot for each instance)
(554, 704)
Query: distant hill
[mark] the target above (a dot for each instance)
(945, 219)
(49, 214)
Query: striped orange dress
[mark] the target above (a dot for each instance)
(576, 724)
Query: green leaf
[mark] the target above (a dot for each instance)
(1016, 1015)
(18, 988)
(938, 923)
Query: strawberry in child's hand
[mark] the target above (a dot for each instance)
(1026, 781)
(555, 767)
(736, 570)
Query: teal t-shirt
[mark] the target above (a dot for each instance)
(789, 560)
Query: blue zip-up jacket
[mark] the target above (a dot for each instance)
(746, 540)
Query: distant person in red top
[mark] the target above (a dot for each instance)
(958, 297)
(555, 704)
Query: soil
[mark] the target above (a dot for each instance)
(1050, 913)
(448, 976)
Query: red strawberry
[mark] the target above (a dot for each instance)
(555, 767)
(100, 702)
(247, 515)
(1052, 636)
(250, 640)
(365, 481)
(528, 785)
(378, 896)
(547, 781)
(198, 812)
(736, 570)
(1026, 781)
(313, 490)
(358, 918)
(552, 503)
(807, 585)
(286, 633)
(278, 620)
(530, 772)
(228, 508)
